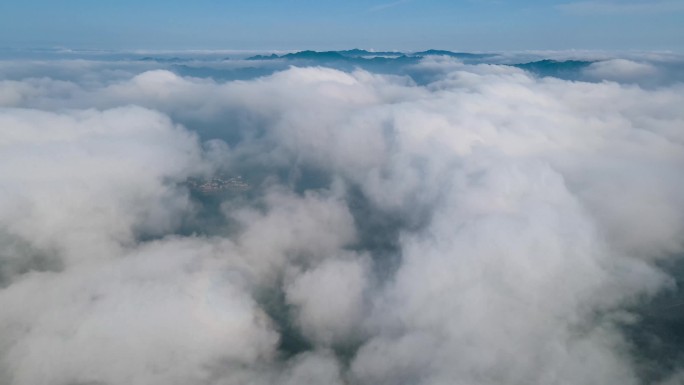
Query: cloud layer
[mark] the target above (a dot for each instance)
(480, 225)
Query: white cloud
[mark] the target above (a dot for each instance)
(160, 315)
(621, 70)
(329, 300)
(525, 214)
(83, 183)
(313, 369)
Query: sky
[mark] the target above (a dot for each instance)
(474, 25)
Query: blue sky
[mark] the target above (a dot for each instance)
(475, 25)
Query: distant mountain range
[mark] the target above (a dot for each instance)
(381, 61)
(566, 69)
(368, 55)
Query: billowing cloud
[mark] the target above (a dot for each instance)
(86, 183)
(482, 225)
(329, 300)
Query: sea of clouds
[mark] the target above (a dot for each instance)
(448, 223)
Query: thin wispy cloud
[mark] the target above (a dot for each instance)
(612, 7)
(382, 7)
